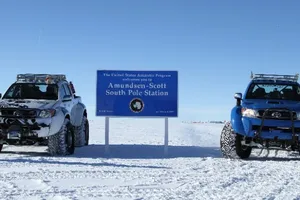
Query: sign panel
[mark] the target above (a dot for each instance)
(137, 93)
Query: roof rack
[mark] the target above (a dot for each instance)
(275, 77)
(40, 77)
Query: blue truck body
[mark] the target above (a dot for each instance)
(268, 118)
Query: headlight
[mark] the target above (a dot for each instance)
(249, 112)
(47, 113)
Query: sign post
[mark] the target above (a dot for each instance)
(106, 135)
(166, 136)
(125, 93)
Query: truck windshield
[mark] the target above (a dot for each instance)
(32, 91)
(274, 91)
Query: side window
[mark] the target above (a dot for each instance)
(67, 89)
(42, 88)
(251, 89)
(10, 92)
(62, 92)
(13, 92)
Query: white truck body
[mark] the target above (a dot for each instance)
(24, 117)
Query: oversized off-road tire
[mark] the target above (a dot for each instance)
(231, 146)
(63, 142)
(82, 133)
(87, 133)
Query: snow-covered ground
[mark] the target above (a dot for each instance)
(136, 168)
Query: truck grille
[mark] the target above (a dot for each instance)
(17, 113)
(277, 114)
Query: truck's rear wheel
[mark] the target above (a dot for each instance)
(62, 143)
(87, 133)
(82, 133)
(231, 146)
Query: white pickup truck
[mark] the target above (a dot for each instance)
(42, 109)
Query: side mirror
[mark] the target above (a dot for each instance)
(238, 97)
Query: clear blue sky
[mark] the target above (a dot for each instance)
(213, 44)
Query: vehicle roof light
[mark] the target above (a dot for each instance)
(40, 77)
(275, 77)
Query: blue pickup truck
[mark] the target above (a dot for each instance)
(266, 116)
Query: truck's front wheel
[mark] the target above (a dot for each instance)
(231, 144)
(62, 143)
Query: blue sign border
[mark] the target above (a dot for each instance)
(115, 106)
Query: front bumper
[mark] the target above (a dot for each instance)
(271, 128)
(17, 128)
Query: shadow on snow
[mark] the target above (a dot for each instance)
(146, 151)
(290, 156)
(48, 161)
(116, 151)
(131, 151)
(134, 152)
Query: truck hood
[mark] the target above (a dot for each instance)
(266, 103)
(27, 103)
